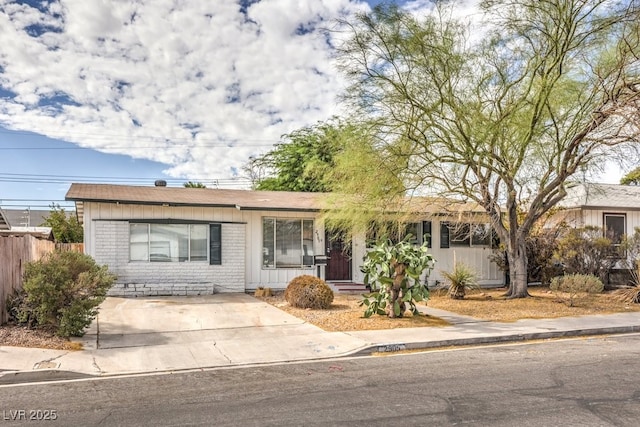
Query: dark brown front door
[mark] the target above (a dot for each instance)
(339, 262)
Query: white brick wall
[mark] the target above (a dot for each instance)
(158, 278)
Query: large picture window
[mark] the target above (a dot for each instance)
(287, 243)
(169, 242)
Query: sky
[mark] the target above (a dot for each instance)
(128, 92)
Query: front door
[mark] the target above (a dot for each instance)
(339, 262)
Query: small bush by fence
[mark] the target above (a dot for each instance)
(15, 253)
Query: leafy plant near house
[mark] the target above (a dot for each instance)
(541, 245)
(61, 292)
(461, 279)
(308, 292)
(393, 272)
(573, 285)
(65, 227)
(587, 251)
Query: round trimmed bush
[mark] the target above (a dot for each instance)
(308, 292)
(574, 283)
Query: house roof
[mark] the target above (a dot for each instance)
(26, 217)
(4, 222)
(39, 232)
(602, 196)
(180, 196)
(238, 199)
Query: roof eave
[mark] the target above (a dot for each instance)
(149, 202)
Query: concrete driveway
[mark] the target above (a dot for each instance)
(164, 333)
(139, 322)
(141, 335)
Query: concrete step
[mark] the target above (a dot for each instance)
(350, 287)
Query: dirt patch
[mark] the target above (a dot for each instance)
(346, 315)
(18, 336)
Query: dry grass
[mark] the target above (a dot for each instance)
(492, 305)
(345, 314)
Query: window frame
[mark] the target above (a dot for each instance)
(420, 229)
(449, 230)
(270, 250)
(169, 260)
(605, 229)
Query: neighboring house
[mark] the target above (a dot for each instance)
(611, 207)
(44, 233)
(8, 229)
(174, 240)
(27, 217)
(4, 222)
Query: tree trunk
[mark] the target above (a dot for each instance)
(396, 295)
(518, 271)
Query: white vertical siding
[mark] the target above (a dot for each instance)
(275, 278)
(595, 217)
(475, 257)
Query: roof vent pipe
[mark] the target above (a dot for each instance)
(160, 183)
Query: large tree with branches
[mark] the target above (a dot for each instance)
(304, 160)
(502, 109)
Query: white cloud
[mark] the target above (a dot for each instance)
(199, 86)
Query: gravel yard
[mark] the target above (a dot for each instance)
(345, 314)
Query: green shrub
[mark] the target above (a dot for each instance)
(586, 251)
(461, 279)
(61, 292)
(17, 310)
(308, 292)
(541, 245)
(575, 284)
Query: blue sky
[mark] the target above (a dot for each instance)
(131, 91)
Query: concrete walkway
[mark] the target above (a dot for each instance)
(142, 335)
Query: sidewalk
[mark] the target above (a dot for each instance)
(269, 336)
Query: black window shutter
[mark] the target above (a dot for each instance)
(444, 234)
(426, 230)
(215, 244)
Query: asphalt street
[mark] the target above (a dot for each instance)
(585, 381)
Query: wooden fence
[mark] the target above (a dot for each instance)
(15, 253)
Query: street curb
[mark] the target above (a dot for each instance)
(498, 339)
(43, 375)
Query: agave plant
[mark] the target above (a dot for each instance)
(461, 279)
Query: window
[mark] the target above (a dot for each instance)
(464, 235)
(287, 243)
(615, 227)
(480, 235)
(420, 232)
(169, 242)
